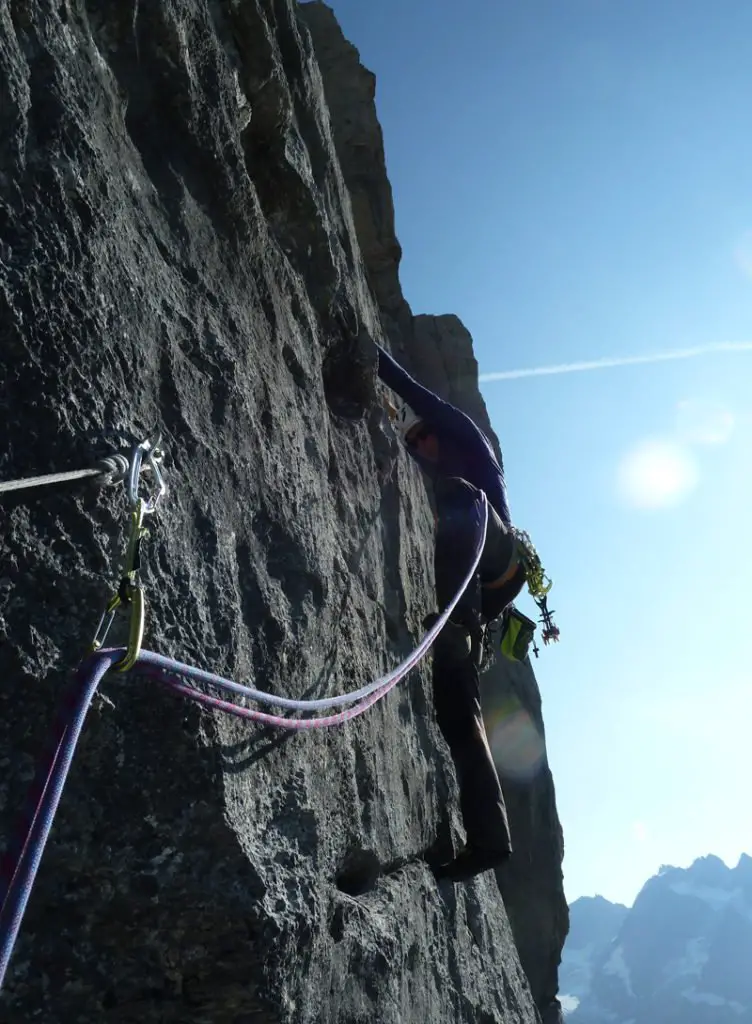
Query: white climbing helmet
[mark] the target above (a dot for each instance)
(406, 419)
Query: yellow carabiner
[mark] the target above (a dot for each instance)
(138, 532)
(136, 635)
(128, 594)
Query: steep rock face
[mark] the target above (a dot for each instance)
(680, 955)
(177, 248)
(438, 349)
(350, 95)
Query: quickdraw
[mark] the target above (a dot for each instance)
(538, 584)
(129, 594)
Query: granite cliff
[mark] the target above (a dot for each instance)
(188, 239)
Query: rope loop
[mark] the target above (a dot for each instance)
(45, 793)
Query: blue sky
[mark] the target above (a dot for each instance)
(573, 179)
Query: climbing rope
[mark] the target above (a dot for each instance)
(48, 787)
(161, 665)
(110, 470)
(129, 594)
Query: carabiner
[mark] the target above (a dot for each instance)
(105, 623)
(150, 449)
(138, 532)
(137, 604)
(136, 634)
(128, 595)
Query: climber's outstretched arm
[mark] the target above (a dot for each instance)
(443, 416)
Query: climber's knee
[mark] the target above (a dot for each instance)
(454, 644)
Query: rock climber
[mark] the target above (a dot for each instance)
(459, 458)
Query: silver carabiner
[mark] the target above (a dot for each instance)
(147, 449)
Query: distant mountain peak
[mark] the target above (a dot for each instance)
(679, 955)
(596, 900)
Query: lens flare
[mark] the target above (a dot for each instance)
(516, 744)
(703, 421)
(657, 474)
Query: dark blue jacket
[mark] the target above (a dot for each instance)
(464, 450)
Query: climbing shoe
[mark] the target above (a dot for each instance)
(469, 862)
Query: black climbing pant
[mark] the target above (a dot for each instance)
(458, 652)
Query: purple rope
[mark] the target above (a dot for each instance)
(301, 724)
(164, 670)
(160, 668)
(45, 797)
(46, 790)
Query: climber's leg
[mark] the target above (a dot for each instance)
(459, 716)
(457, 654)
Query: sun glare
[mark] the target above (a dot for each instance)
(657, 474)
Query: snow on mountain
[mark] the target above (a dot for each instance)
(616, 965)
(681, 955)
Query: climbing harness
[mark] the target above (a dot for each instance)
(129, 594)
(181, 679)
(538, 584)
(512, 632)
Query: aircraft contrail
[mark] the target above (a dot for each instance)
(604, 364)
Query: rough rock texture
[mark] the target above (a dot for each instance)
(177, 248)
(438, 349)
